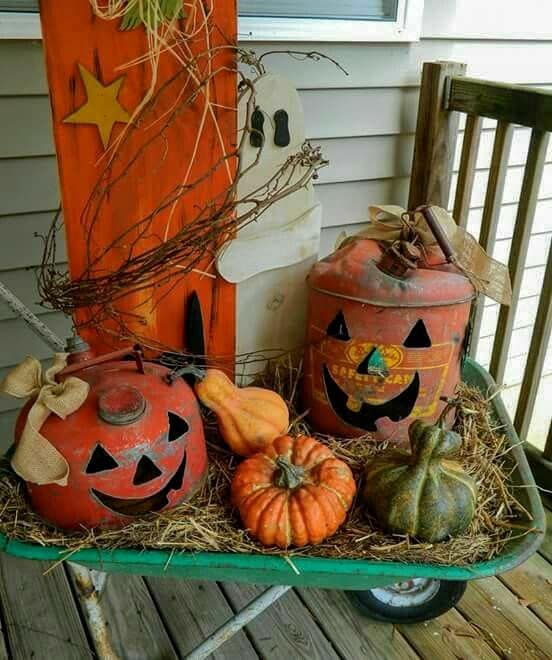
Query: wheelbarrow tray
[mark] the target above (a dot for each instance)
(315, 571)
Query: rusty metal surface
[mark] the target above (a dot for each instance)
(382, 350)
(153, 461)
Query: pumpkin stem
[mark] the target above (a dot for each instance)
(289, 476)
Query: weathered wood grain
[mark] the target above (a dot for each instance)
(509, 103)
(436, 133)
(536, 356)
(520, 243)
(508, 627)
(466, 173)
(491, 213)
(448, 637)
(283, 631)
(193, 610)
(41, 616)
(546, 547)
(352, 634)
(532, 583)
(135, 629)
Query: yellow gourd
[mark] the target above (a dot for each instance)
(249, 418)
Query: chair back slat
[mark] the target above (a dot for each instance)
(466, 173)
(535, 361)
(536, 158)
(491, 212)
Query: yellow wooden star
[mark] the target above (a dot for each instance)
(102, 106)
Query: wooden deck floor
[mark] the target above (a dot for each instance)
(154, 619)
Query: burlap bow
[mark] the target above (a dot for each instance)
(36, 459)
(489, 276)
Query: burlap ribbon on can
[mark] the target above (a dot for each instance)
(489, 277)
(35, 459)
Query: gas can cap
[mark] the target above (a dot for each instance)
(121, 404)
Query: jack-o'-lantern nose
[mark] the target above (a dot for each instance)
(146, 470)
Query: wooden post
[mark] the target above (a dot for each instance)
(436, 135)
(85, 52)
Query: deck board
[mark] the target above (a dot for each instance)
(448, 638)
(532, 588)
(353, 635)
(193, 610)
(509, 628)
(41, 617)
(135, 629)
(286, 630)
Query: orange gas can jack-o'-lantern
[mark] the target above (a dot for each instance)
(135, 446)
(386, 332)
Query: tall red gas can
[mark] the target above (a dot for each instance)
(385, 338)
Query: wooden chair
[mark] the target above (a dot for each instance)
(445, 93)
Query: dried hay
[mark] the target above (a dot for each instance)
(209, 524)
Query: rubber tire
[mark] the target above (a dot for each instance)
(445, 599)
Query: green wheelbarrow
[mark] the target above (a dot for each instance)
(384, 590)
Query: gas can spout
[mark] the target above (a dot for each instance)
(400, 259)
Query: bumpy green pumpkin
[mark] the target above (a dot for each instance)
(421, 493)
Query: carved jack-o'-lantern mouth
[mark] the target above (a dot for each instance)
(397, 408)
(140, 506)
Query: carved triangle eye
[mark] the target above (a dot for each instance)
(418, 337)
(100, 461)
(338, 328)
(177, 427)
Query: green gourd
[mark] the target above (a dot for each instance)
(421, 493)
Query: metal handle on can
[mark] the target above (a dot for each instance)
(136, 352)
(440, 236)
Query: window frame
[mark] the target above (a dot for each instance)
(407, 27)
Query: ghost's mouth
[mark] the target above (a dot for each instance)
(140, 506)
(366, 417)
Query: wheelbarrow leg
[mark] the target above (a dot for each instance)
(237, 622)
(90, 585)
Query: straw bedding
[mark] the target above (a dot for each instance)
(208, 523)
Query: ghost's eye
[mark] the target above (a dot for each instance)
(100, 461)
(177, 427)
(256, 138)
(282, 138)
(338, 328)
(418, 337)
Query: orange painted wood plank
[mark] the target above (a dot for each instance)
(74, 37)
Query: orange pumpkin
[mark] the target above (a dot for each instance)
(296, 492)
(249, 418)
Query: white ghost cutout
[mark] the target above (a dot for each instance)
(270, 259)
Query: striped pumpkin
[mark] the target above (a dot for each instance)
(422, 493)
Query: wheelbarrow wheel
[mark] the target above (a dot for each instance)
(411, 601)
